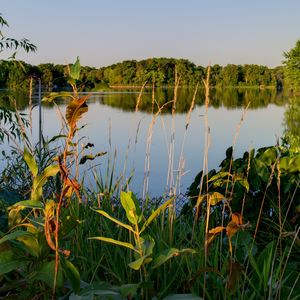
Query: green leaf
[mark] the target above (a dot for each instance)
(46, 274)
(215, 198)
(28, 204)
(31, 163)
(162, 258)
(106, 215)
(244, 182)
(261, 169)
(156, 213)
(269, 156)
(113, 241)
(40, 180)
(72, 274)
(129, 291)
(294, 165)
(136, 265)
(220, 175)
(182, 297)
(75, 70)
(31, 244)
(54, 95)
(130, 207)
(148, 244)
(14, 235)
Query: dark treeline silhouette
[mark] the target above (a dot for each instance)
(158, 71)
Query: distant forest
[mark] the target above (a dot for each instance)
(157, 71)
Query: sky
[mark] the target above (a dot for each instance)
(103, 32)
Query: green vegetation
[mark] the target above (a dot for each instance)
(158, 71)
(237, 236)
(292, 67)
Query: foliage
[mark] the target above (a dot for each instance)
(292, 67)
(157, 71)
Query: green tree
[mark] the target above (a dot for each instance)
(292, 67)
(8, 43)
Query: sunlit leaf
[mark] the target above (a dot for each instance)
(31, 244)
(41, 179)
(28, 204)
(31, 163)
(215, 198)
(54, 95)
(130, 207)
(129, 291)
(182, 297)
(75, 70)
(113, 241)
(156, 213)
(14, 235)
(105, 214)
(75, 110)
(136, 265)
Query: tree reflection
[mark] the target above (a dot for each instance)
(292, 124)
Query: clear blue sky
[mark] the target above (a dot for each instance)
(109, 31)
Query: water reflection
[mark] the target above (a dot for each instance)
(292, 123)
(126, 100)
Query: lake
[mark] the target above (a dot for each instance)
(113, 126)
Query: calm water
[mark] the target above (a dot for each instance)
(113, 126)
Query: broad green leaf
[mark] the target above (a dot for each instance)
(215, 198)
(28, 204)
(284, 163)
(244, 182)
(148, 244)
(75, 70)
(106, 215)
(156, 213)
(182, 297)
(269, 156)
(129, 291)
(294, 164)
(113, 241)
(31, 244)
(220, 175)
(72, 274)
(103, 290)
(54, 95)
(162, 258)
(261, 170)
(136, 265)
(40, 180)
(14, 235)
(31, 163)
(129, 206)
(9, 266)
(46, 274)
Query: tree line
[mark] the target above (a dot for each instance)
(158, 71)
